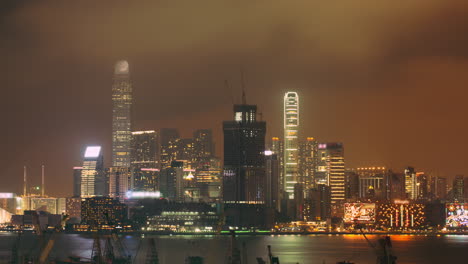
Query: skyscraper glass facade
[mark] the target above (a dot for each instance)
(121, 115)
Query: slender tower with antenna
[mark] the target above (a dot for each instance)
(43, 182)
(25, 188)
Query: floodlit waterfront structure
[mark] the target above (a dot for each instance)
(291, 144)
(121, 115)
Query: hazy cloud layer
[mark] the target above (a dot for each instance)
(388, 78)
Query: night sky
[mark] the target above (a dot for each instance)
(387, 78)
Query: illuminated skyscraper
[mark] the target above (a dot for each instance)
(278, 149)
(410, 184)
(291, 144)
(92, 173)
(331, 169)
(308, 161)
(121, 114)
(143, 159)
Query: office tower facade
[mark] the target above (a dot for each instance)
(93, 180)
(244, 159)
(308, 161)
(422, 186)
(203, 144)
(317, 203)
(439, 187)
(411, 183)
(272, 191)
(98, 211)
(77, 181)
(121, 115)
(277, 147)
(396, 183)
(168, 146)
(372, 182)
(458, 188)
(291, 143)
(352, 185)
(143, 160)
(172, 181)
(331, 169)
(120, 182)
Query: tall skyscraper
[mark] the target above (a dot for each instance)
(93, 182)
(308, 161)
(458, 188)
(120, 182)
(411, 183)
(278, 149)
(143, 160)
(77, 181)
(272, 192)
(331, 169)
(244, 159)
(291, 144)
(121, 115)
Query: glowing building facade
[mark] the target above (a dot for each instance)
(121, 114)
(291, 144)
(143, 159)
(331, 169)
(93, 181)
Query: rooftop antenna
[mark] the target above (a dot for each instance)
(244, 101)
(43, 185)
(24, 182)
(226, 85)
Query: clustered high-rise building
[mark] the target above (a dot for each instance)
(297, 179)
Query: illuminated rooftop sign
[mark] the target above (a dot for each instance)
(155, 194)
(92, 151)
(6, 195)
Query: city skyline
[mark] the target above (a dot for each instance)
(385, 112)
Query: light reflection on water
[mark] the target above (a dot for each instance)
(302, 249)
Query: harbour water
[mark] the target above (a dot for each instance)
(310, 249)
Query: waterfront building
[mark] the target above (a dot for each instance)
(121, 115)
(120, 182)
(396, 183)
(317, 206)
(93, 180)
(171, 184)
(372, 182)
(73, 209)
(291, 144)
(143, 160)
(458, 188)
(98, 211)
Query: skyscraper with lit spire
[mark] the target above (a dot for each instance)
(291, 144)
(121, 115)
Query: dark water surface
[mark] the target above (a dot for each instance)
(315, 249)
